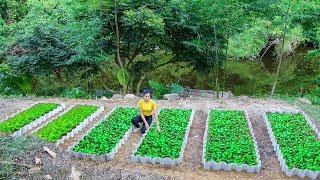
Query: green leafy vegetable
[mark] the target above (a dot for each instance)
(229, 139)
(167, 142)
(61, 126)
(297, 140)
(20, 120)
(103, 138)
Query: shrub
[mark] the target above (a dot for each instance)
(158, 89)
(74, 93)
(314, 96)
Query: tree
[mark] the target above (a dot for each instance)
(41, 53)
(147, 28)
(13, 10)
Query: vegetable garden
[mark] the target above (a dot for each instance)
(59, 127)
(104, 139)
(167, 146)
(296, 142)
(229, 142)
(20, 120)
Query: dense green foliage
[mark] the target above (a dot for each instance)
(297, 140)
(229, 139)
(314, 96)
(167, 142)
(20, 120)
(61, 126)
(55, 48)
(103, 138)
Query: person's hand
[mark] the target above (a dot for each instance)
(147, 126)
(158, 128)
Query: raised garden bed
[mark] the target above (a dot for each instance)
(296, 141)
(104, 139)
(229, 142)
(23, 121)
(69, 123)
(167, 146)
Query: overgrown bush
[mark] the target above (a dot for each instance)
(314, 96)
(103, 92)
(176, 88)
(158, 89)
(74, 93)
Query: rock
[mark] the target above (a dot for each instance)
(117, 96)
(243, 98)
(104, 98)
(304, 100)
(37, 160)
(34, 170)
(171, 97)
(75, 174)
(47, 176)
(130, 97)
(53, 154)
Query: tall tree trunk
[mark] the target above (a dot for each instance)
(142, 77)
(281, 54)
(58, 74)
(118, 58)
(117, 33)
(217, 62)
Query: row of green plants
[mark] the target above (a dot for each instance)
(29, 115)
(297, 140)
(103, 138)
(167, 142)
(229, 139)
(61, 126)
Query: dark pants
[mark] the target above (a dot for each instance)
(136, 120)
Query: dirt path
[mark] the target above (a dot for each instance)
(191, 167)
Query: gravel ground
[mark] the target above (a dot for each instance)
(121, 168)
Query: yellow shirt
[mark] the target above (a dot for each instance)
(147, 107)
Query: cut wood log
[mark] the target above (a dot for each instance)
(49, 151)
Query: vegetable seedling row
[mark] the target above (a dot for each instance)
(23, 121)
(167, 146)
(70, 121)
(296, 142)
(104, 139)
(229, 142)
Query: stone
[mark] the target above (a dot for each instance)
(37, 160)
(34, 170)
(304, 100)
(117, 96)
(243, 97)
(75, 174)
(47, 176)
(171, 97)
(130, 97)
(104, 98)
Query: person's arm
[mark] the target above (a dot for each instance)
(155, 114)
(144, 119)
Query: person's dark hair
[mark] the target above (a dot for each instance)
(147, 91)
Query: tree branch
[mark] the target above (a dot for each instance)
(173, 60)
